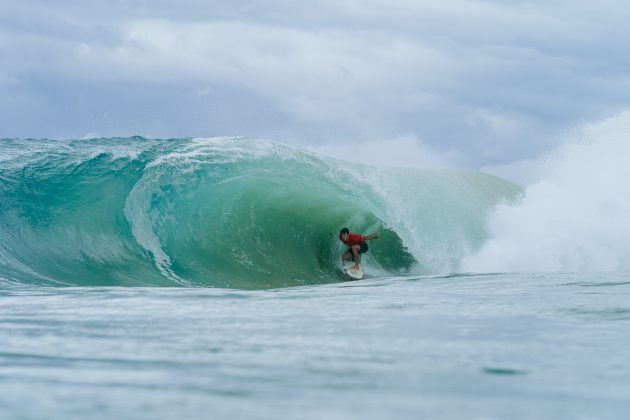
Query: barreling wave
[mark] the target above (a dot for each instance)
(223, 212)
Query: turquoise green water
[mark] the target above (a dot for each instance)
(199, 278)
(223, 213)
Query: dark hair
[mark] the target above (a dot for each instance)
(344, 230)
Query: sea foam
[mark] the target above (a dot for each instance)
(576, 219)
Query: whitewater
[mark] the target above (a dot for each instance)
(200, 277)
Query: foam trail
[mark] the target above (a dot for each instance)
(576, 219)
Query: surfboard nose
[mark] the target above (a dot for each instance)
(351, 272)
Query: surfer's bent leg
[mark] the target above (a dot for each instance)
(354, 252)
(356, 255)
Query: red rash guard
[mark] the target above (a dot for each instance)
(354, 239)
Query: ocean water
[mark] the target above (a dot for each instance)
(199, 278)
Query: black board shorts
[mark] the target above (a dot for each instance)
(362, 249)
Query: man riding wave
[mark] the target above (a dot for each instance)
(357, 245)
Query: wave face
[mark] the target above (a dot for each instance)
(223, 212)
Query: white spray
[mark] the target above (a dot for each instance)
(576, 219)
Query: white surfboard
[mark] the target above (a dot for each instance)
(352, 273)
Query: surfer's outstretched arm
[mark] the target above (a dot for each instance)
(375, 235)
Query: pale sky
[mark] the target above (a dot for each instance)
(474, 83)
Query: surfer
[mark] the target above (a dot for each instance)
(357, 245)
